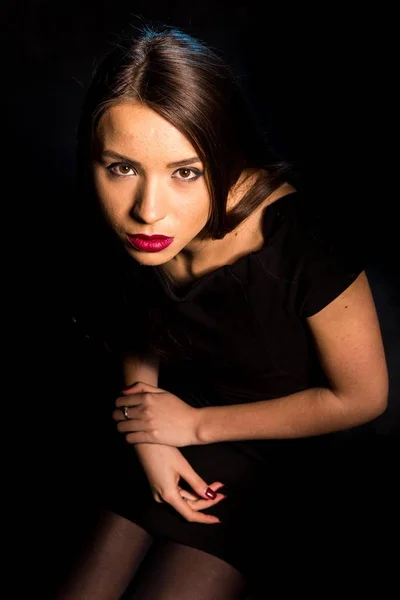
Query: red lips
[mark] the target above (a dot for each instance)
(149, 243)
(149, 237)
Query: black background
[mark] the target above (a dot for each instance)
(321, 81)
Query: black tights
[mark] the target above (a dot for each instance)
(124, 562)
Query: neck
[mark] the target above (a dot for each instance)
(210, 254)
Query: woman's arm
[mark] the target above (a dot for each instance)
(164, 465)
(143, 368)
(349, 343)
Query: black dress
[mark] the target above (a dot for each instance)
(245, 335)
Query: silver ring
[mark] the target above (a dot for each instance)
(125, 412)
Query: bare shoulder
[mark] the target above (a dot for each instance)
(283, 190)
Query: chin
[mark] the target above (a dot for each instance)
(150, 259)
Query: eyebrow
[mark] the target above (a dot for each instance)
(178, 163)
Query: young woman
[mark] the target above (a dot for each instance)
(243, 334)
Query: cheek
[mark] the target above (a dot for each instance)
(203, 211)
(109, 214)
(109, 199)
(108, 207)
(192, 216)
(197, 207)
(98, 182)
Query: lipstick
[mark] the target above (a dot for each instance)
(150, 243)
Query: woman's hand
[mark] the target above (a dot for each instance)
(164, 466)
(151, 415)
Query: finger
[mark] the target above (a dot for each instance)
(119, 413)
(131, 400)
(214, 486)
(197, 505)
(188, 496)
(129, 390)
(141, 386)
(201, 504)
(198, 484)
(133, 422)
(139, 437)
(186, 511)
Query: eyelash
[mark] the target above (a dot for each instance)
(197, 172)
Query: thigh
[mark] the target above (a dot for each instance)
(110, 560)
(172, 570)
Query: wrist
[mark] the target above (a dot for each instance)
(201, 425)
(143, 446)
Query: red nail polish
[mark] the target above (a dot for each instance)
(210, 493)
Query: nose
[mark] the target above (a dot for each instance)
(149, 204)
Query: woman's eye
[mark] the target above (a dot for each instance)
(125, 170)
(188, 174)
(121, 169)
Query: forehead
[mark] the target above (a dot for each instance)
(133, 127)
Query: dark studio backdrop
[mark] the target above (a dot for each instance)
(321, 83)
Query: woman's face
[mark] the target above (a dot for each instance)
(149, 181)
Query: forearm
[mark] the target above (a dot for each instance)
(307, 413)
(143, 368)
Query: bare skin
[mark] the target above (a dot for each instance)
(141, 192)
(246, 238)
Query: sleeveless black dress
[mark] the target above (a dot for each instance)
(246, 339)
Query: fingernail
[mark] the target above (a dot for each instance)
(210, 493)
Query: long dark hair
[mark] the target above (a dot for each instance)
(189, 85)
